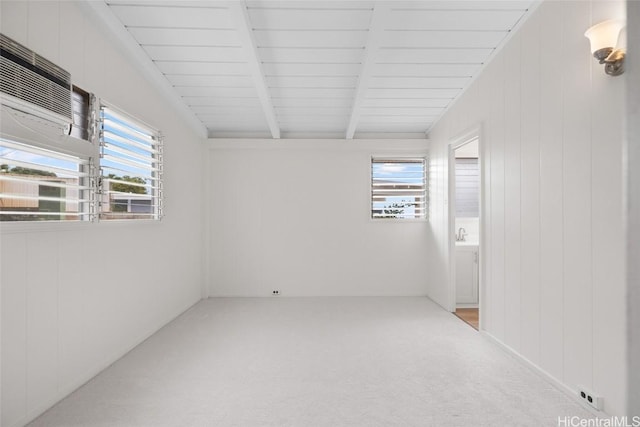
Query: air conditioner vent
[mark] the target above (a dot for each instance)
(33, 79)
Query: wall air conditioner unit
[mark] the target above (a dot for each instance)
(34, 85)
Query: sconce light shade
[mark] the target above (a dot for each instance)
(604, 34)
(604, 45)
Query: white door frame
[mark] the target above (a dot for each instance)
(462, 139)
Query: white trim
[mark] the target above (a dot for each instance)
(10, 227)
(465, 137)
(631, 197)
(425, 186)
(573, 394)
(379, 147)
(374, 39)
(467, 305)
(136, 131)
(245, 32)
(387, 135)
(101, 15)
(208, 233)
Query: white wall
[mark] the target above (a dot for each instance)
(552, 147)
(633, 206)
(294, 215)
(78, 296)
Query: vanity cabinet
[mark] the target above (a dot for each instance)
(467, 274)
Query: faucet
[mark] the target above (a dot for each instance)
(462, 235)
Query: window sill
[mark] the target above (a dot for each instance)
(42, 226)
(398, 221)
(53, 226)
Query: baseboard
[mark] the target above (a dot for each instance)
(87, 376)
(467, 305)
(573, 394)
(291, 295)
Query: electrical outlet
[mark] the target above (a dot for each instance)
(275, 293)
(590, 398)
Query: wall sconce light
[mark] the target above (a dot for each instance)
(605, 46)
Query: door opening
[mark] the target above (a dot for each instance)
(464, 229)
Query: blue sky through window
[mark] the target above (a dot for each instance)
(398, 188)
(13, 157)
(128, 149)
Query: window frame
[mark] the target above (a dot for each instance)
(157, 195)
(26, 130)
(425, 185)
(74, 185)
(38, 136)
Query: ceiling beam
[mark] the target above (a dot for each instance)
(101, 15)
(376, 29)
(245, 33)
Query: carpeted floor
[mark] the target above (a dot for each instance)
(315, 362)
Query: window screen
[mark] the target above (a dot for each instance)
(130, 166)
(42, 185)
(398, 188)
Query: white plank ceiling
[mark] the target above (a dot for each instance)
(316, 68)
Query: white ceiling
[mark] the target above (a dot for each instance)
(318, 68)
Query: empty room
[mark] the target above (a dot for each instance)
(319, 213)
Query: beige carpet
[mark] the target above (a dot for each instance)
(315, 362)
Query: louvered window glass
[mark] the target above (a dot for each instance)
(398, 188)
(42, 185)
(130, 166)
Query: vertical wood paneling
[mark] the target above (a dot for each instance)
(104, 318)
(13, 277)
(95, 63)
(530, 189)
(14, 20)
(238, 268)
(607, 255)
(71, 297)
(42, 318)
(578, 344)
(72, 48)
(497, 201)
(632, 213)
(276, 190)
(43, 27)
(563, 242)
(71, 345)
(293, 227)
(512, 89)
(551, 196)
(439, 223)
(485, 90)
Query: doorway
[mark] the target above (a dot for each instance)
(464, 228)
